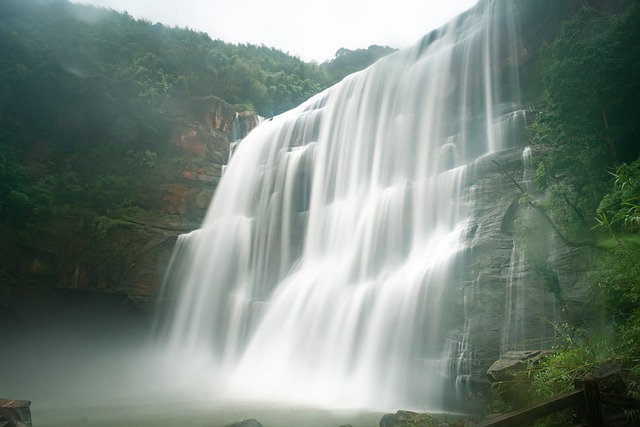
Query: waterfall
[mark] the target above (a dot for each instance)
(529, 306)
(324, 270)
(243, 123)
(514, 329)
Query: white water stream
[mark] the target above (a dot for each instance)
(322, 272)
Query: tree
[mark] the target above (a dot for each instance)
(590, 123)
(348, 61)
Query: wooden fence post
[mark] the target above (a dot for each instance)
(593, 406)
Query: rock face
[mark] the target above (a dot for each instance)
(517, 259)
(213, 113)
(521, 277)
(202, 143)
(128, 253)
(244, 123)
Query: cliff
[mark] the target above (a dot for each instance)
(126, 253)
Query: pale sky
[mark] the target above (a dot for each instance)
(313, 31)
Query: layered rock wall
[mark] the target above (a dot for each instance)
(521, 278)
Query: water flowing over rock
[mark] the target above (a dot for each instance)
(244, 123)
(361, 249)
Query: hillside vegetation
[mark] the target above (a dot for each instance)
(105, 90)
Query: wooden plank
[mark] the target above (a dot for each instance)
(621, 401)
(528, 415)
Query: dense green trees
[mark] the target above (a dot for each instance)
(348, 61)
(591, 120)
(93, 45)
(88, 98)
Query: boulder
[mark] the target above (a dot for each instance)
(409, 419)
(245, 423)
(512, 362)
(15, 413)
(612, 377)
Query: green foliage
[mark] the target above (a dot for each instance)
(616, 292)
(102, 224)
(541, 177)
(12, 174)
(404, 418)
(618, 279)
(576, 355)
(143, 159)
(89, 98)
(91, 68)
(591, 120)
(348, 61)
(620, 207)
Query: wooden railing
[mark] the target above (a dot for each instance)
(587, 401)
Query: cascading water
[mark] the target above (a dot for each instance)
(528, 326)
(323, 270)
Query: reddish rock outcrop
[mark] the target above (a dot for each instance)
(133, 255)
(201, 145)
(213, 113)
(244, 123)
(127, 253)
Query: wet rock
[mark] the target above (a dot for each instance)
(15, 413)
(512, 362)
(246, 423)
(409, 419)
(244, 123)
(612, 377)
(214, 112)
